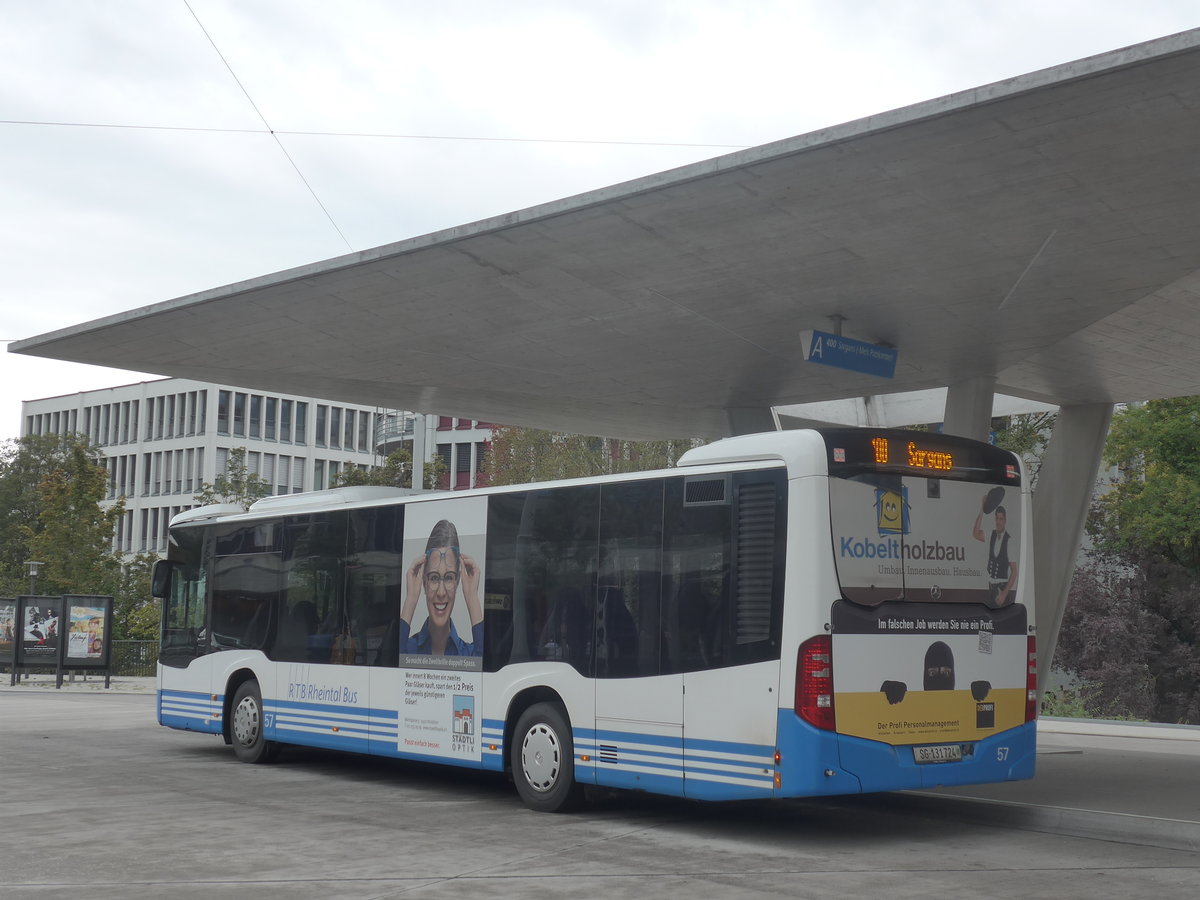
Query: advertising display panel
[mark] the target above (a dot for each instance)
(88, 621)
(8, 630)
(39, 621)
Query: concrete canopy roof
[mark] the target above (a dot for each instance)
(1043, 230)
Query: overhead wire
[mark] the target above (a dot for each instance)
(274, 136)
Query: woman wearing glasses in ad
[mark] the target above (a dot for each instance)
(440, 572)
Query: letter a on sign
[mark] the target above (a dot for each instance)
(813, 345)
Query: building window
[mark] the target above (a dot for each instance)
(255, 416)
(348, 437)
(445, 423)
(269, 419)
(301, 436)
(318, 475)
(462, 466)
(322, 425)
(223, 400)
(268, 470)
(202, 415)
(285, 420)
(239, 414)
(364, 433)
(335, 427)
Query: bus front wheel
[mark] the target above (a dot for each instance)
(543, 759)
(246, 725)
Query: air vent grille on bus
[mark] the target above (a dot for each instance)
(755, 561)
(701, 491)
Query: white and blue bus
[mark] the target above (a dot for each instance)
(782, 615)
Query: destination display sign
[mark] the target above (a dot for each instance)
(856, 451)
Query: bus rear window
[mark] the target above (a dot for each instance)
(900, 537)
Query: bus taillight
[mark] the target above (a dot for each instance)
(1031, 703)
(814, 682)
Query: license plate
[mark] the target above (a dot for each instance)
(938, 753)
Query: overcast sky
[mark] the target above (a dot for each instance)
(136, 165)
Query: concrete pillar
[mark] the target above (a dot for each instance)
(1061, 499)
(969, 408)
(750, 420)
(418, 452)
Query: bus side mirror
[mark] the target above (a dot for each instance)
(160, 580)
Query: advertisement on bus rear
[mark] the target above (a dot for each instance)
(906, 673)
(441, 628)
(932, 645)
(926, 539)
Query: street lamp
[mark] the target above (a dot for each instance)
(34, 565)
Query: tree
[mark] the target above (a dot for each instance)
(396, 471)
(1026, 434)
(136, 614)
(51, 488)
(1155, 506)
(1140, 602)
(237, 484)
(521, 455)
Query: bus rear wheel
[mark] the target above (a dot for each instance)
(543, 759)
(246, 726)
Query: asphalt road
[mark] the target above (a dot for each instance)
(100, 802)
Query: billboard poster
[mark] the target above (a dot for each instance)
(441, 628)
(89, 622)
(8, 629)
(40, 628)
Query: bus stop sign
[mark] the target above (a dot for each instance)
(848, 353)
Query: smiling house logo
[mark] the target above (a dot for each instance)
(891, 508)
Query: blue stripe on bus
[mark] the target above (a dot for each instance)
(189, 710)
(702, 768)
(491, 731)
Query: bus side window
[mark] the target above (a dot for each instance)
(629, 628)
(542, 553)
(723, 574)
(314, 548)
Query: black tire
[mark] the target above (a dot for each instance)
(246, 726)
(543, 759)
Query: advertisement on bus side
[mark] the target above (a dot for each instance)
(441, 628)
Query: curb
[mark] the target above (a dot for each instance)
(1125, 828)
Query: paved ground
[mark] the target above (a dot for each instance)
(100, 802)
